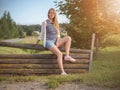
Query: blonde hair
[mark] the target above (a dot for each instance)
(55, 21)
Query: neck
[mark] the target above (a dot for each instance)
(50, 20)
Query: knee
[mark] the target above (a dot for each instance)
(69, 38)
(59, 54)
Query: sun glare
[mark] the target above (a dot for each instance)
(114, 7)
(109, 9)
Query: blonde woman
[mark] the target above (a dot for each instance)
(51, 37)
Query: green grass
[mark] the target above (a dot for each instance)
(22, 78)
(32, 40)
(111, 40)
(7, 50)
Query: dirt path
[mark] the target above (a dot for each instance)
(42, 86)
(13, 40)
(22, 86)
(74, 86)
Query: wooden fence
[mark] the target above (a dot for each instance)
(41, 64)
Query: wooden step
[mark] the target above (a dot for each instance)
(39, 61)
(39, 71)
(43, 66)
(40, 56)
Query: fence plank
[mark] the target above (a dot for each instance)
(42, 56)
(39, 61)
(43, 66)
(38, 47)
(39, 71)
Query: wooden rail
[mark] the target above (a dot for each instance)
(37, 47)
(40, 64)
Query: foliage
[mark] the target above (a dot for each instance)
(29, 29)
(111, 40)
(85, 19)
(8, 28)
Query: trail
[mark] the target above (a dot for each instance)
(42, 86)
(13, 40)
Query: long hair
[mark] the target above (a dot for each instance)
(55, 20)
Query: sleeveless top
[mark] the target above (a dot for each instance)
(51, 32)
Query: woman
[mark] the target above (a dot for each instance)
(51, 37)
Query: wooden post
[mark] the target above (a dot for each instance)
(91, 53)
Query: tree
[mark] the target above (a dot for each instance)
(4, 26)
(81, 16)
(8, 28)
(29, 29)
(84, 20)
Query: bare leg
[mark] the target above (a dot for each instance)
(57, 52)
(67, 42)
(68, 45)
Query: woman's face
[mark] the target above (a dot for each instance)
(51, 14)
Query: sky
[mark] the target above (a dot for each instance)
(28, 12)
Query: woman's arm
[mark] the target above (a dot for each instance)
(41, 36)
(42, 31)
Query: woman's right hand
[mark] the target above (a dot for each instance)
(37, 42)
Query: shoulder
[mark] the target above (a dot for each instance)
(44, 23)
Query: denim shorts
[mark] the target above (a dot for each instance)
(50, 43)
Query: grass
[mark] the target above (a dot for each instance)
(105, 70)
(7, 50)
(31, 39)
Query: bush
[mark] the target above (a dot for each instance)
(23, 35)
(111, 40)
(35, 33)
